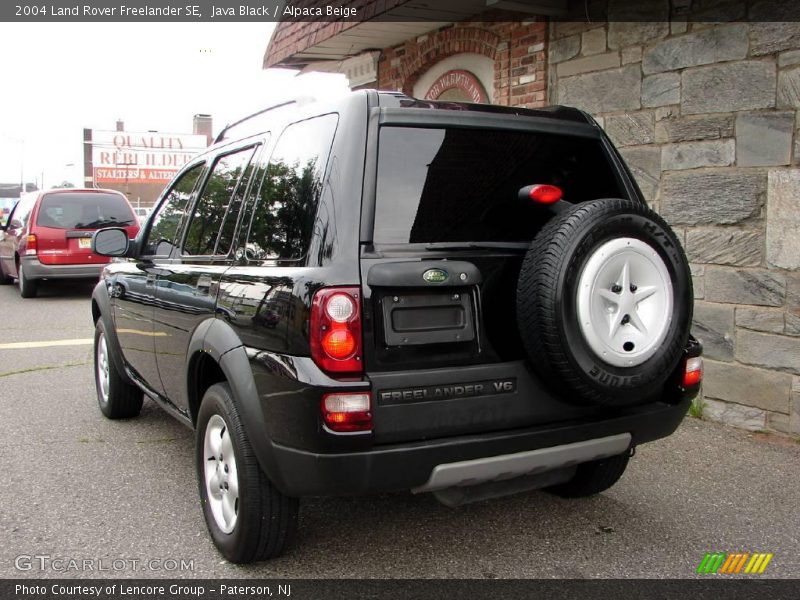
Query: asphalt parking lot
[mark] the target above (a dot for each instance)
(77, 486)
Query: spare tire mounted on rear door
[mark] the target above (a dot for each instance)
(604, 302)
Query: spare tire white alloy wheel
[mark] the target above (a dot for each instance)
(604, 302)
(624, 302)
(221, 475)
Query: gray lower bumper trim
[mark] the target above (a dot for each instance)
(507, 466)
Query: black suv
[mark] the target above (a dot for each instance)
(378, 293)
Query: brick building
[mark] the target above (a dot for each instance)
(706, 114)
(140, 163)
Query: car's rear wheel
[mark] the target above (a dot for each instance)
(247, 517)
(28, 288)
(117, 398)
(593, 477)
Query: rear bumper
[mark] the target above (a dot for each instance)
(35, 269)
(413, 465)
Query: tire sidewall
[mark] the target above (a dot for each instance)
(647, 377)
(27, 288)
(105, 406)
(218, 401)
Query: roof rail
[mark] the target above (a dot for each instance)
(221, 135)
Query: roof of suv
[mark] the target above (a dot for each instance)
(398, 100)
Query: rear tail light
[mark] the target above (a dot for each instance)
(693, 372)
(31, 244)
(335, 330)
(347, 412)
(541, 193)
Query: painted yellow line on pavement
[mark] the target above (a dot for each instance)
(47, 344)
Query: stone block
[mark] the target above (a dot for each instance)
(768, 350)
(728, 87)
(770, 390)
(608, 91)
(779, 422)
(666, 112)
(783, 218)
(789, 59)
(725, 246)
(678, 27)
(764, 139)
(745, 286)
(588, 64)
(719, 197)
(699, 287)
(789, 88)
(564, 48)
(692, 155)
(768, 38)
(793, 290)
(719, 44)
(792, 325)
(714, 326)
(745, 417)
(769, 320)
(645, 164)
(631, 54)
(686, 129)
(631, 129)
(661, 89)
(630, 30)
(593, 41)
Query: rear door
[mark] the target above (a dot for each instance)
(187, 284)
(65, 220)
(440, 274)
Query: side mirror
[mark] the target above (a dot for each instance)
(14, 224)
(112, 241)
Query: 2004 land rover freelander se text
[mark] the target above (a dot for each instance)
(379, 293)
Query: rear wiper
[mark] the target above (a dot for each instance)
(477, 246)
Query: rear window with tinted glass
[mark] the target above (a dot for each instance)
(460, 185)
(84, 211)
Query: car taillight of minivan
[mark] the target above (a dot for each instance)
(335, 330)
(31, 244)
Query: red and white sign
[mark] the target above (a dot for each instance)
(132, 157)
(459, 80)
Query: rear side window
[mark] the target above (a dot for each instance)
(74, 210)
(286, 206)
(222, 192)
(461, 185)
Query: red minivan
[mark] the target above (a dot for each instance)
(48, 235)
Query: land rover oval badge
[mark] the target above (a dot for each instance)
(435, 275)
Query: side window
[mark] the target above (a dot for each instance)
(218, 203)
(22, 210)
(286, 205)
(164, 224)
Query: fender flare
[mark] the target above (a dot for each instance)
(221, 342)
(101, 300)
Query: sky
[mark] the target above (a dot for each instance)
(59, 78)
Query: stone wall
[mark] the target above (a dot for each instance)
(706, 115)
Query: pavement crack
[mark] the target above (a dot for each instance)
(46, 368)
